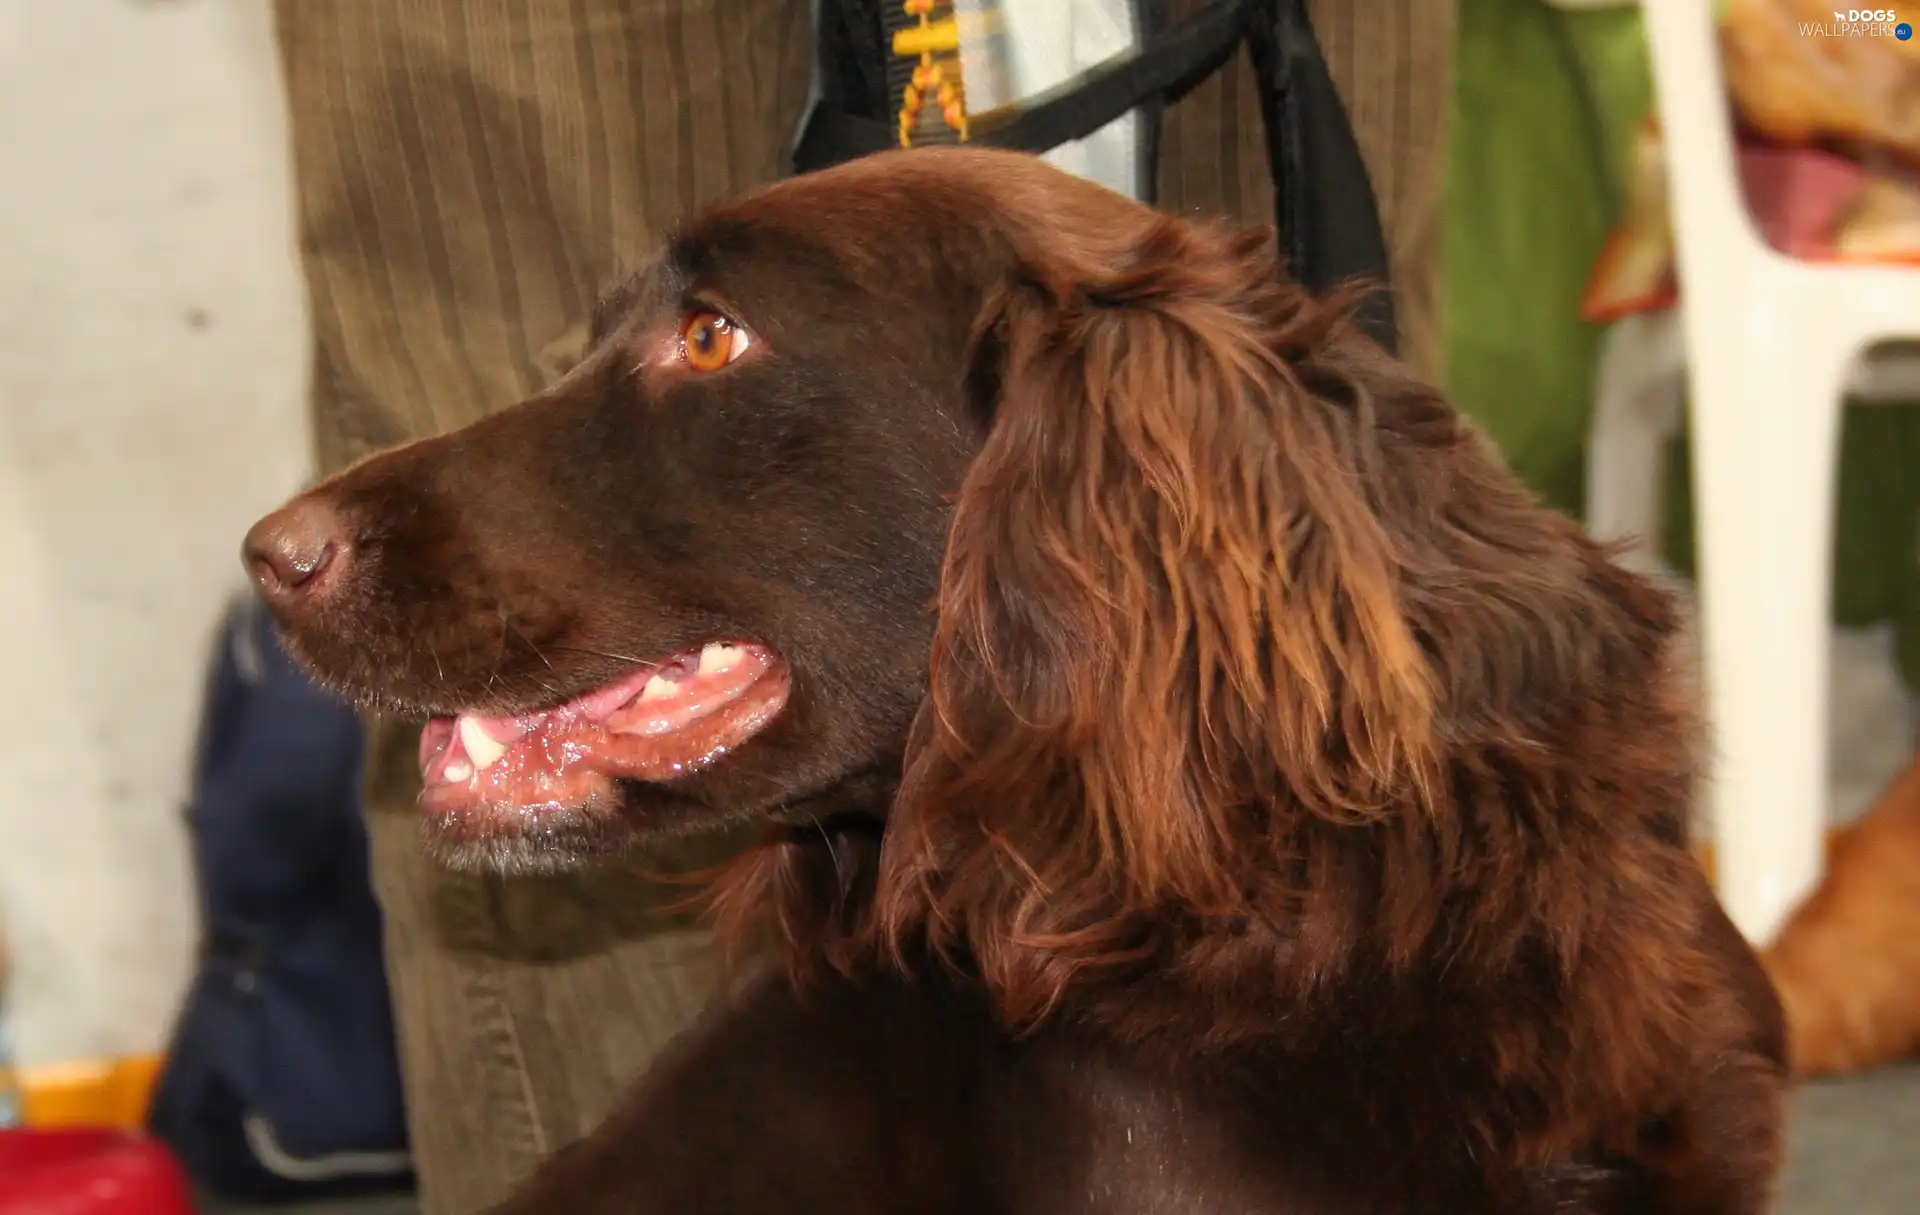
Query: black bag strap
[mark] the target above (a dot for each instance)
(1168, 67)
(1326, 213)
(1150, 22)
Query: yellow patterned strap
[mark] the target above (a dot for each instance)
(934, 41)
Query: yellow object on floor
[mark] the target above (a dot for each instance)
(114, 1092)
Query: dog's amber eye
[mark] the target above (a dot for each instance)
(709, 341)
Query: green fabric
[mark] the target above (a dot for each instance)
(1545, 107)
(1524, 223)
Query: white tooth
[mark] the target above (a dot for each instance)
(457, 771)
(482, 748)
(715, 656)
(658, 688)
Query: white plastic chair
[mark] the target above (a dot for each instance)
(1769, 344)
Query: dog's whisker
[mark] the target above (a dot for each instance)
(521, 634)
(537, 653)
(832, 852)
(588, 650)
(499, 650)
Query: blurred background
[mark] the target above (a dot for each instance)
(154, 375)
(153, 362)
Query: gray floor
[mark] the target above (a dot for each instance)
(360, 1206)
(1856, 1147)
(1856, 1151)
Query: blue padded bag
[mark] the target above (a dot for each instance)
(282, 1080)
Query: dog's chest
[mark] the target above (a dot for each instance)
(1075, 1129)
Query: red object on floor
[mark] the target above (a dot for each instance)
(89, 1172)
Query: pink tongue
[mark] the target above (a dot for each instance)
(596, 705)
(683, 690)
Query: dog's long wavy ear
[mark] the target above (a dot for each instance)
(1169, 603)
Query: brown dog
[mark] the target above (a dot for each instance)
(1280, 811)
(1848, 962)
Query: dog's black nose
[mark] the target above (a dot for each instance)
(295, 551)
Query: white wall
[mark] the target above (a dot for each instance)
(152, 364)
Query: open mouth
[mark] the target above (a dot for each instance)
(655, 723)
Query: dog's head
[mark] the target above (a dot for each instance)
(1192, 561)
(691, 582)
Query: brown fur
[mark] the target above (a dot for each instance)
(1293, 815)
(1847, 964)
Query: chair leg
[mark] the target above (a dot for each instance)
(1637, 402)
(1765, 429)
